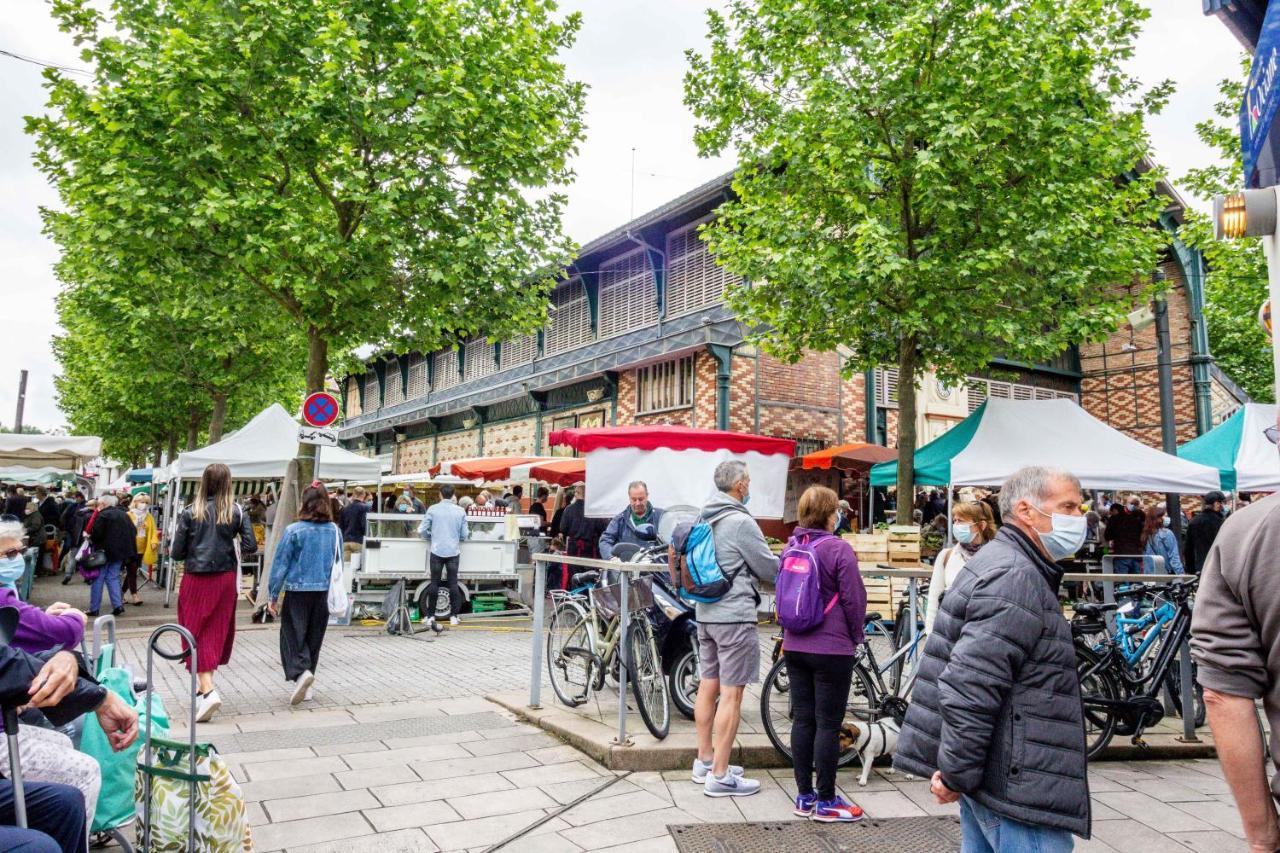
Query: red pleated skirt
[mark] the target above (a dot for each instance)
(207, 608)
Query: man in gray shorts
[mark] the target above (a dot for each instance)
(728, 646)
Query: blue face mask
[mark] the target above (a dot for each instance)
(1067, 535)
(1167, 521)
(12, 569)
(746, 499)
(962, 531)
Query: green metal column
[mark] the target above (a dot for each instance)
(724, 366)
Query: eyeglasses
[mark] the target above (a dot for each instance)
(11, 553)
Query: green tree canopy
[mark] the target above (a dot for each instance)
(929, 184)
(376, 172)
(1236, 284)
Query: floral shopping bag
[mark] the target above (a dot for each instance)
(222, 825)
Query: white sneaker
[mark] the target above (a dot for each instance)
(307, 698)
(730, 786)
(453, 620)
(702, 769)
(207, 705)
(301, 686)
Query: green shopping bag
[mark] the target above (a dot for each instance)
(116, 804)
(221, 819)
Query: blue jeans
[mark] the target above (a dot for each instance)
(110, 575)
(55, 815)
(1128, 566)
(984, 831)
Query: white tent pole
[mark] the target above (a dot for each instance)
(950, 488)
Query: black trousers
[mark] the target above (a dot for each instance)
(819, 694)
(303, 621)
(448, 566)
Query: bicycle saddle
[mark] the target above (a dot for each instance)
(583, 578)
(873, 617)
(1094, 611)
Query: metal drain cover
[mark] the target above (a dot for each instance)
(902, 835)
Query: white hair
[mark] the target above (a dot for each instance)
(1032, 484)
(637, 484)
(728, 473)
(12, 530)
(108, 500)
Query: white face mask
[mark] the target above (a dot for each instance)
(1065, 537)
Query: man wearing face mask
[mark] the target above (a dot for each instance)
(995, 718)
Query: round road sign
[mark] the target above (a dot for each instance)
(320, 409)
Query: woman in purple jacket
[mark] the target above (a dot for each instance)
(820, 662)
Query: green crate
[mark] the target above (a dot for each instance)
(488, 603)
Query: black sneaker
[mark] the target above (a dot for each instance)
(92, 614)
(117, 611)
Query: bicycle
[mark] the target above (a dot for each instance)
(1119, 683)
(583, 645)
(871, 697)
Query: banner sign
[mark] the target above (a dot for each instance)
(1261, 101)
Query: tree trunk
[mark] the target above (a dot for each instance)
(317, 370)
(219, 417)
(908, 367)
(173, 447)
(193, 429)
(159, 456)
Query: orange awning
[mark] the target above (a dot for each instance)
(857, 456)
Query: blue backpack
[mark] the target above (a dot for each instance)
(799, 589)
(692, 563)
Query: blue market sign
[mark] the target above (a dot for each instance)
(1260, 104)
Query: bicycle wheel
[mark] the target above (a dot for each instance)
(648, 681)
(571, 653)
(1096, 682)
(776, 710)
(1174, 679)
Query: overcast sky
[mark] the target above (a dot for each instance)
(630, 52)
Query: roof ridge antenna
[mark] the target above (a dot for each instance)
(631, 214)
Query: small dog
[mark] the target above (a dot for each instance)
(871, 740)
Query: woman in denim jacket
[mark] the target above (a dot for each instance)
(1158, 541)
(304, 560)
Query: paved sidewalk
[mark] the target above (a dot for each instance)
(457, 774)
(401, 753)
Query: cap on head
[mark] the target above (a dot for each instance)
(1214, 497)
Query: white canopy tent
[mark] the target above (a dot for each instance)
(262, 450)
(64, 452)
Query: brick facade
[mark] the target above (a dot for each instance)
(462, 444)
(1121, 384)
(510, 438)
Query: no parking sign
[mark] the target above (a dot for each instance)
(320, 409)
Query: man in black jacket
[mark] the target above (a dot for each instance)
(1203, 530)
(995, 717)
(114, 533)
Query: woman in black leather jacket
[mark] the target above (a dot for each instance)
(213, 535)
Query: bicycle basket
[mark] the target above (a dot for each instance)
(639, 597)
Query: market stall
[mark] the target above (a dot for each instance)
(64, 452)
(827, 467)
(1241, 449)
(677, 464)
(1002, 436)
(259, 455)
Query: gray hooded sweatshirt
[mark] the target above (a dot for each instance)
(741, 549)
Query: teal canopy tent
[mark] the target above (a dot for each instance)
(1005, 435)
(1241, 449)
(933, 461)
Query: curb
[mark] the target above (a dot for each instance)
(753, 751)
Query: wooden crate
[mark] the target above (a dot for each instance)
(903, 532)
(899, 550)
(867, 541)
(870, 558)
(879, 595)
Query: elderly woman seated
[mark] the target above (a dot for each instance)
(47, 755)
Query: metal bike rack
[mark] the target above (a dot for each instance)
(539, 613)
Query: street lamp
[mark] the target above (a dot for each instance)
(1252, 213)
